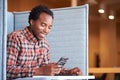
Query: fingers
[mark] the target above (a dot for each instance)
(79, 73)
(51, 69)
(75, 71)
(56, 70)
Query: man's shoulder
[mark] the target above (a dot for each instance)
(14, 36)
(15, 33)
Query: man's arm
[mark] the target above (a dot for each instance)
(74, 71)
(13, 70)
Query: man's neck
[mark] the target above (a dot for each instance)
(31, 31)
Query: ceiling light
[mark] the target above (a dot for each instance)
(111, 17)
(101, 11)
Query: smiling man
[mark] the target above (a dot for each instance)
(28, 49)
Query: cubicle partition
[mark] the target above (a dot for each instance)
(10, 22)
(68, 36)
(3, 33)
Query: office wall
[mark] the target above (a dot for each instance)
(26, 5)
(118, 44)
(118, 48)
(94, 42)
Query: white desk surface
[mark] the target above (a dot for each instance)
(66, 77)
(56, 77)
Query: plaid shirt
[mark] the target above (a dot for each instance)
(25, 53)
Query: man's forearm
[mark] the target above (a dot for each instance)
(17, 72)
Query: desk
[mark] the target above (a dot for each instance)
(116, 71)
(57, 77)
(104, 70)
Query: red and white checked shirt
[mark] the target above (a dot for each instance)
(25, 53)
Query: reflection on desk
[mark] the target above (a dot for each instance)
(104, 70)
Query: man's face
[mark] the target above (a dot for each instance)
(41, 27)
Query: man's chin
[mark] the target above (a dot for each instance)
(40, 38)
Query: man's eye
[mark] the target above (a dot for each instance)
(42, 24)
(50, 27)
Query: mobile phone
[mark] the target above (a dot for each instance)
(62, 61)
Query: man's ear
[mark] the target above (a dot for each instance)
(31, 22)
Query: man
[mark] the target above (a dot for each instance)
(28, 49)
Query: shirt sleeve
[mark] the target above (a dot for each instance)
(46, 55)
(14, 71)
(46, 58)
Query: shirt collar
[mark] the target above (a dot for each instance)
(29, 35)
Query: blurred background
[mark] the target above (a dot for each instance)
(104, 26)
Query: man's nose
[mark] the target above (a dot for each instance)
(46, 30)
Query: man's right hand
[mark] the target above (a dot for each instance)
(49, 70)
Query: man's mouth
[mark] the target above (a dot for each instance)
(42, 34)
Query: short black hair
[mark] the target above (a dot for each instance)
(36, 11)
